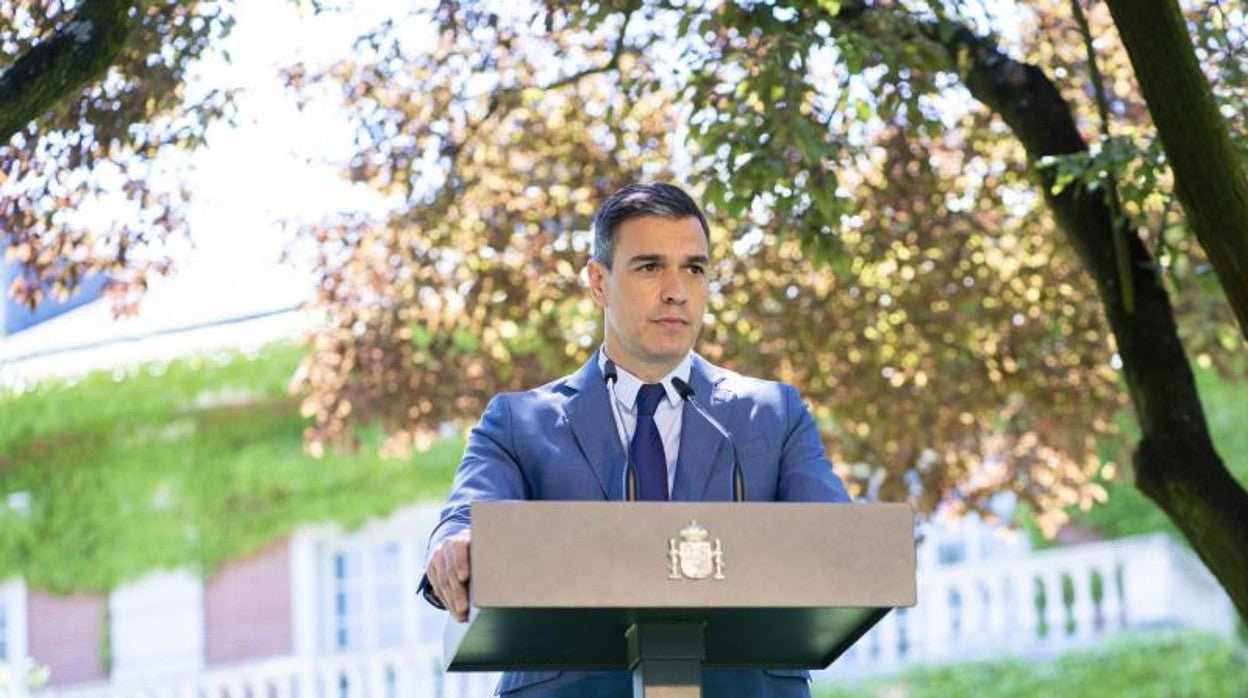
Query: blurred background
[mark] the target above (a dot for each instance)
(266, 262)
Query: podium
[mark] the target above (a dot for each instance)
(667, 588)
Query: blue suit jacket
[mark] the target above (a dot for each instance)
(560, 442)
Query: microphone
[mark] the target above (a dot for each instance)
(610, 375)
(738, 475)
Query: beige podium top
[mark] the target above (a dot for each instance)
(618, 555)
(557, 584)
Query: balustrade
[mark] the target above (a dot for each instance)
(1039, 604)
(378, 674)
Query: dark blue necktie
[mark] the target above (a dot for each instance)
(647, 447)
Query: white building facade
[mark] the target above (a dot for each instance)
(322, 613)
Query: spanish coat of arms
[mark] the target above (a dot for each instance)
(694, 556)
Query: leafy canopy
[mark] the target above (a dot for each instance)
(89, 187)
(879, 240)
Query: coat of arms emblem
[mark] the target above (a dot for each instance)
(694, 556)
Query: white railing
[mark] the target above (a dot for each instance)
(391, 673)
(1041, 603)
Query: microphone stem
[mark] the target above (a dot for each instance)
(738, 475)
(630, 472)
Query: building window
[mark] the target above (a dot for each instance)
(347, 609)
(365, 601)
(389, 595)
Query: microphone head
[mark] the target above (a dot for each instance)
(685, 390)
(609, 374)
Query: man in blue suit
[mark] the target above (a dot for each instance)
(567, 440)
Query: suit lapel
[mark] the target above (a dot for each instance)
(589, 414)
(701, 447)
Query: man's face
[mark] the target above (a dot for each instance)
(654, 294)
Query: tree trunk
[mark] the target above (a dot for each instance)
(1176, 463)
(1209, 176)
(75, 54)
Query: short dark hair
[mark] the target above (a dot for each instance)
(635, 201)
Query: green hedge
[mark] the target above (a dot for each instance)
(186, 464)
(1169, 665)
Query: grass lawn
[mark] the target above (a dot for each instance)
(1155, 665)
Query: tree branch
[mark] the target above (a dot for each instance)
(75, 54)
(503, 96)
(1111, 180)
(1210, 179)
(612, 63)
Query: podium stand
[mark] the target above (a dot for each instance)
(667, 588)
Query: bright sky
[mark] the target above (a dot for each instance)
(279, 163)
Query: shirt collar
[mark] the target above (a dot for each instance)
(628, 385)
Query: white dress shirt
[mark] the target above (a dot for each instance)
(668, 416)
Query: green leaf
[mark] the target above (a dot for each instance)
(862, 110)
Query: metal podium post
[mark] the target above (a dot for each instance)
(666, 658)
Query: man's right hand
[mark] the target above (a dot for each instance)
(448, 573)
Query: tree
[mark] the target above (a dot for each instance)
(90, 94)
(966, 293)
(77, 52)
(957, 289)
(1210, 177)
